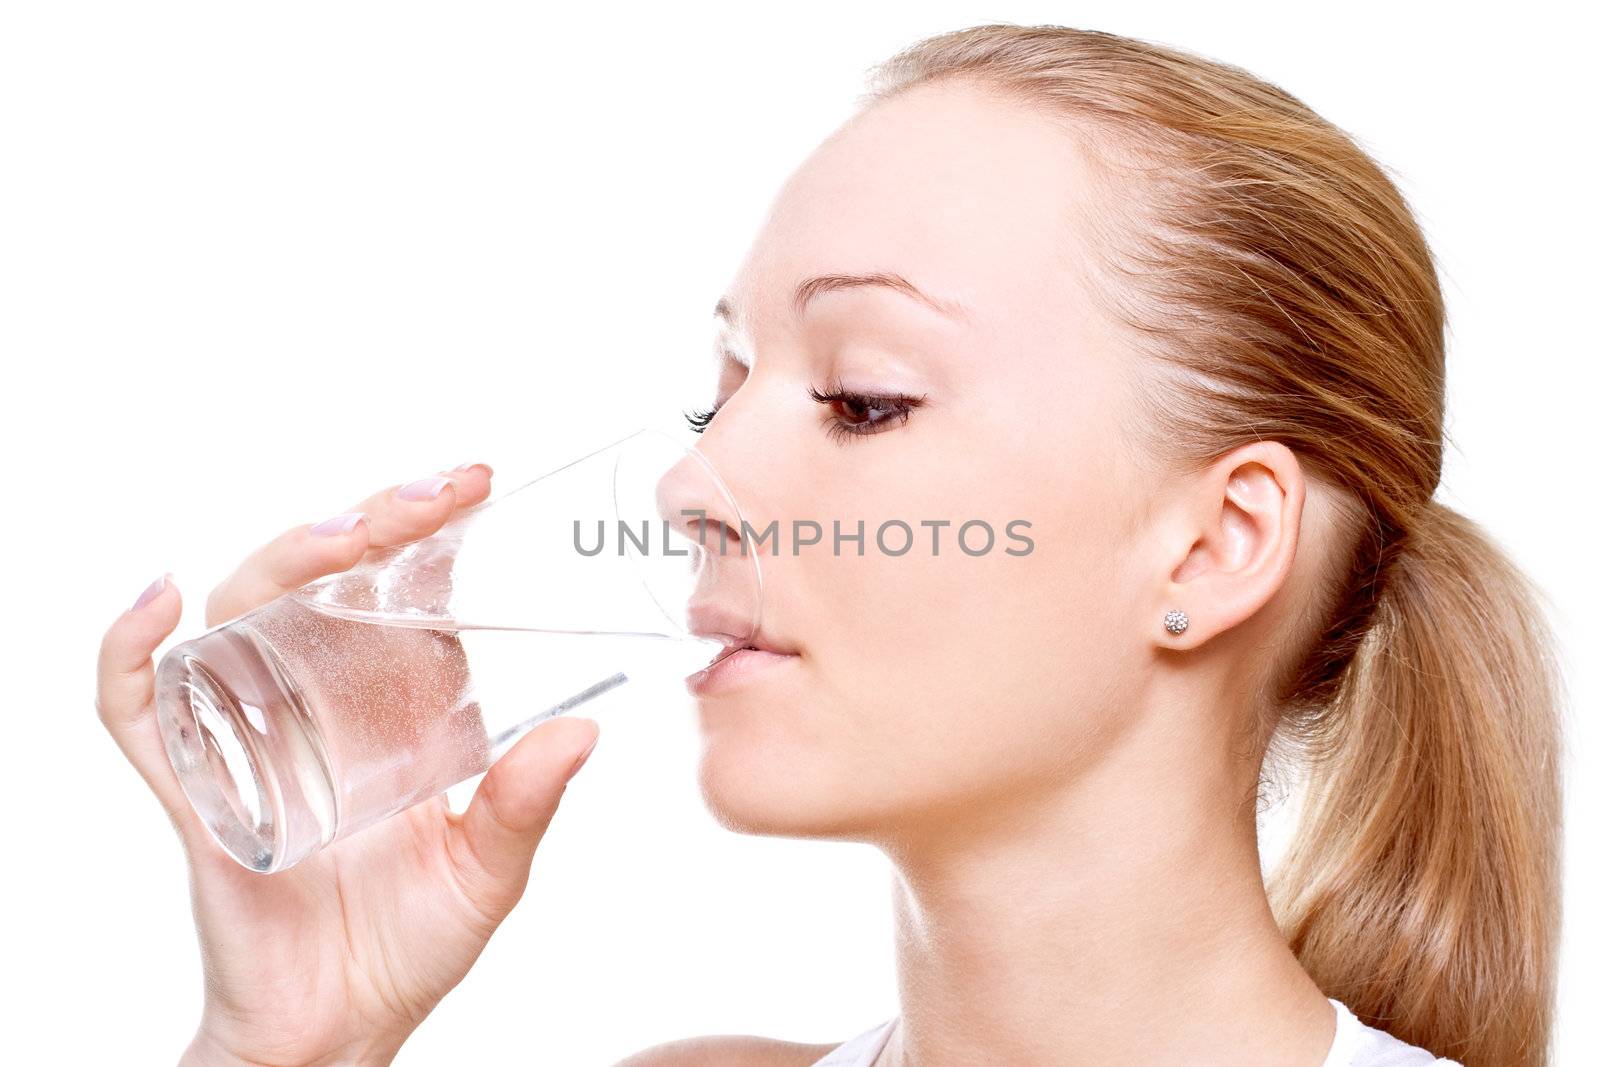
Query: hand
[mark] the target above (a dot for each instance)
(339, 958)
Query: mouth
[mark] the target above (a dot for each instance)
(733, 647)
(733, 629)
(739, 659)
(727, 650)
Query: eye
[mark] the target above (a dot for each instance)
(859, 414)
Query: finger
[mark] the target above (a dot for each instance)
(403, 513)
(287, 562)
(125, 692)
(494, 840)
(305, 553)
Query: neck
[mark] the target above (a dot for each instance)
(1101, 924)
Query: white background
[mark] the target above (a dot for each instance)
(257, 261)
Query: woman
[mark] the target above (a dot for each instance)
(1192, 336)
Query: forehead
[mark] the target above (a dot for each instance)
(968, 194)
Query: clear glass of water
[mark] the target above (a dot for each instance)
(367, 691)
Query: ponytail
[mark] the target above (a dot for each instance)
(1422, 889)
(1282, 289)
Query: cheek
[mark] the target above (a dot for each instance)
(957, 674)
(932, 680)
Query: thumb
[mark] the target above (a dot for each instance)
(511, 809)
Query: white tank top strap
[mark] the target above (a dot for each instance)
(862, 1049)
(1355, 1044)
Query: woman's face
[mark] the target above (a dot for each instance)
(923, 687)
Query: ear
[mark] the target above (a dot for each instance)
(1234, 539)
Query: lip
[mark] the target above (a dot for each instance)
(743, 656)
(735, 666)
(720, 623)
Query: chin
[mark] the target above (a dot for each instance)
(754, 789)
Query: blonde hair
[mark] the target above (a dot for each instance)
(1280, 283)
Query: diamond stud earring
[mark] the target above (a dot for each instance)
(1175, 621)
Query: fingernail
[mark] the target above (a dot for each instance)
(423, 489)
(469, 466)
(585, 757)
(151, 592)
(339, 524)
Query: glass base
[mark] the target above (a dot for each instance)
(245, 751)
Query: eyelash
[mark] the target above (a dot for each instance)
(897, 405)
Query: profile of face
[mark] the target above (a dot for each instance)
(931, 689)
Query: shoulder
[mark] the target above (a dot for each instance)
(740, 1049)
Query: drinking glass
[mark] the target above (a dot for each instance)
(366, 691)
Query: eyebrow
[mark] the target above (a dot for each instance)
(827, 283)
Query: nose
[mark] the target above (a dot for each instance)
(691, 499)
(699, 510)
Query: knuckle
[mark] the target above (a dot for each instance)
(102, 710)
(482, 897)
(115, 650)
(281, 570)
(117, 711)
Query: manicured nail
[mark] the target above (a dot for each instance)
(423, 489)
(469, 466)
(339, 524)
(151, 592)
(585, 757)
